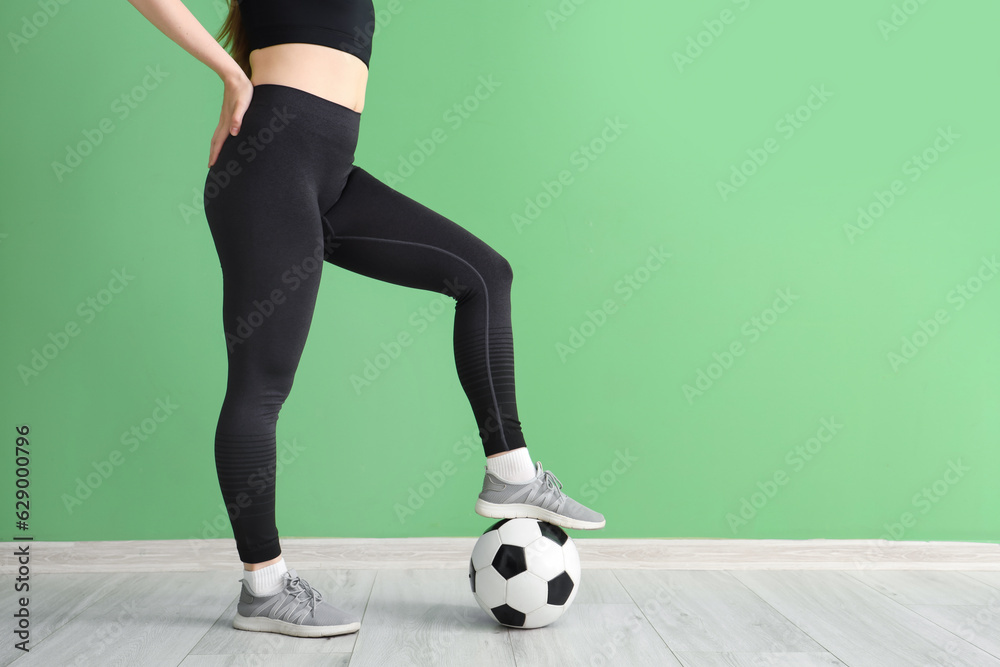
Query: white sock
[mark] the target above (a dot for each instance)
(513, 466)
(267, 580)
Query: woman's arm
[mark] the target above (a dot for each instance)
(178, 23)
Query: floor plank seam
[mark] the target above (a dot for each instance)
(792, 623)
(652, 625)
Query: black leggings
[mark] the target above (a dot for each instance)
(284, 196)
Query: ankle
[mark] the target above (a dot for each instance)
(249, 567)
(512, 466)
(266, 580)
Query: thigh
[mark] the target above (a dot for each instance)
(270, 248)
(379, 232)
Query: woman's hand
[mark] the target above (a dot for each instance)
(175, 21)
(235, 100)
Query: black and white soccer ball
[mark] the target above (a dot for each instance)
(524, 573)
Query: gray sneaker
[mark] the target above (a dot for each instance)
(539, 498)
(298, 610)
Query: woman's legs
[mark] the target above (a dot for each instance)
(282, 197)
(379, 232)
(266, 324)
(262, 202)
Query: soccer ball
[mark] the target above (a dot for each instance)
(524, 573)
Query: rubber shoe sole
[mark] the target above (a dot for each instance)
(266, 624)
(286, 612)
(523, 510)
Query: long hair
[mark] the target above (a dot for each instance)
(234, 39)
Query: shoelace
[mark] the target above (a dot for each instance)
(298, 586)
(554, 486)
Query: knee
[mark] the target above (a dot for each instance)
(265, 385)
(489, 271)
(500, 270)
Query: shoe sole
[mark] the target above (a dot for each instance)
(523, 511)
(266, 624)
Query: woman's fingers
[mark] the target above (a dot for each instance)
(216, 145)
(235, 102)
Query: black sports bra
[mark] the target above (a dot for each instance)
(346, 25)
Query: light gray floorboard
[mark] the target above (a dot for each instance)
(152, 619)
(731, 659)
(601, 586)
(251, 660)
(964, 605)
(710, 611)
(977, 624)
(859, 625)
(593, 634)
(989, 578)
(928, 586)
(428, 617)
(53, 601)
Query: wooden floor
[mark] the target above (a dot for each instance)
(699, 603)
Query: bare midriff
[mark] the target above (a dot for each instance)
(329, 73)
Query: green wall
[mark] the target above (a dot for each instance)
(815, 356)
